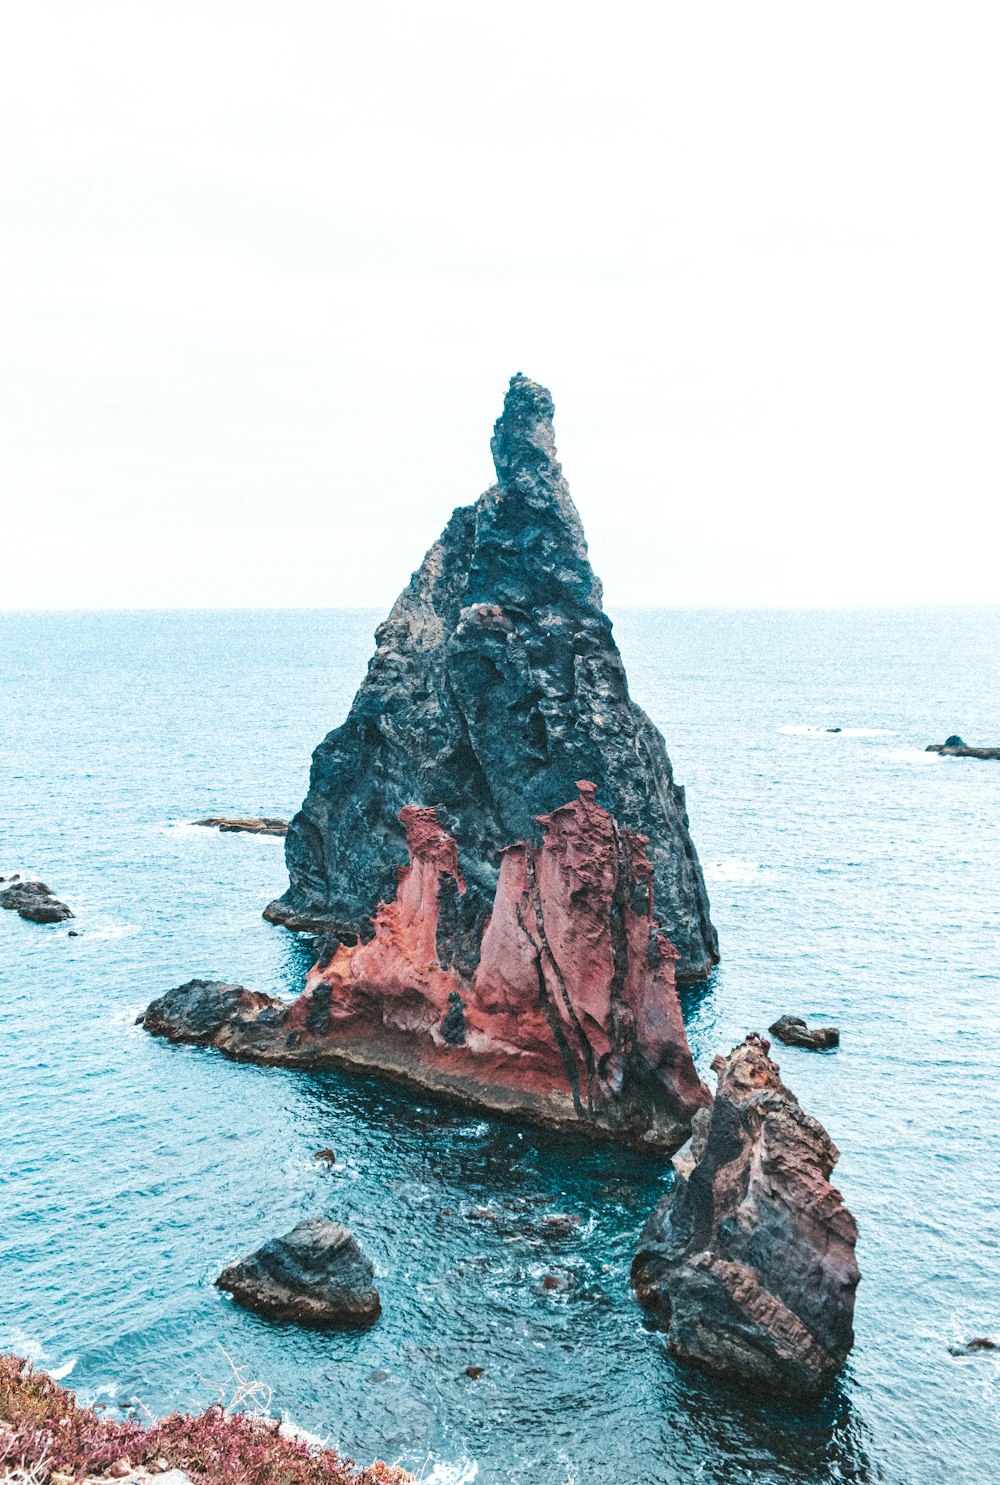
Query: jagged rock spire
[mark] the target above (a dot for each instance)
(496, 684)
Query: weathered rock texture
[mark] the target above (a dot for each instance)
(32, 901)
(749, 1259)
(495, 684)
(315, 1275)
(570, 1018)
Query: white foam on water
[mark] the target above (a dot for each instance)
(58, 1373)
(809, 729)
(912, 755)
(445, 1472)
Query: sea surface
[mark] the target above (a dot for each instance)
(855, 879)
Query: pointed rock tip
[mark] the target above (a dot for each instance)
(523, 435)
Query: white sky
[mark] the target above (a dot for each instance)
(265, 270)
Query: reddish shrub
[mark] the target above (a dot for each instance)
(46, 1431)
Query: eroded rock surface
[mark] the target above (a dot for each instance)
(495, 684)
(749, 1260)
(315, 1275)
(569, 1018)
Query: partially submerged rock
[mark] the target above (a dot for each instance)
(496, 683)
(249, 825)
(748, 1261)
(314, 1275)
(794, 1032)
(980, 1345)
(956, 748)
(33, 901)
(570, 1018)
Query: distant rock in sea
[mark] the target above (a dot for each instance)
(794, 1032)
(32, 901)
(495, 685)
(314, 1275)
(956, 748)
(250, 825)
(748, 1262)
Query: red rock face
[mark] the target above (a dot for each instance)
(573, 1008)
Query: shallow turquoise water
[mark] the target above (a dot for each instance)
(853, 877)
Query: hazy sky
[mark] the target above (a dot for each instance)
(266, 269)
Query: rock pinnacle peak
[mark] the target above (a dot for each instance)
(524, 440)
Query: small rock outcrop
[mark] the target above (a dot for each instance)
(980, 1345)
(794, 1032)
(956, 748)
(495, 684)
(32, 901)
(250, 825)
(570, 1019)
(748, 1262)
(314, 1275)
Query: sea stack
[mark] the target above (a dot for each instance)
(496, 684)
(748, 1262)
(493, 845)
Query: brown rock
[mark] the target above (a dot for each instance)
(749, 1261)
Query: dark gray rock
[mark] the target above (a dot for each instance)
(496, 684)
(314, 1275)
(34, 902)
(794, 1032)
(748, 1262)
(196, 1011)
(954, 741)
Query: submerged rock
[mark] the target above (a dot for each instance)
(251, 825)
(495, 684)
(570, 1019)
(33, 901)
(315, 1275)
(794, 1032)
(749, 1260)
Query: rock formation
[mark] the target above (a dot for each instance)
(315, 1275)
(495, 684)
(248, 825)
(570, 1017)
(794, 1032)
(32, 901)
(956, 748)
(749, 1259)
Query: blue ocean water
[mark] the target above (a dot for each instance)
(854, 878)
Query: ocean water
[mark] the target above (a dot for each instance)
(854, 878)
